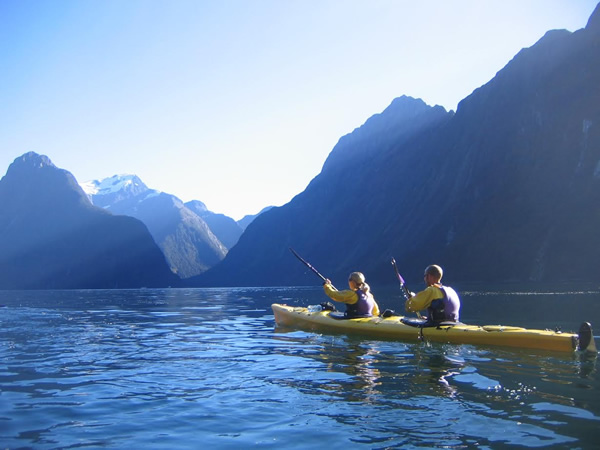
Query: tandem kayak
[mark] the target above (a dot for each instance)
(403, 328)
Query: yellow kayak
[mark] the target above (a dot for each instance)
(399, 327)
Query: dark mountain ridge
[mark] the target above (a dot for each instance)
(505, 189)
(52, 237)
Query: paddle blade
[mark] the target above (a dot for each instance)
(586, 338)
(400, 279)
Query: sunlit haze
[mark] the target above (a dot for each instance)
(237, 103)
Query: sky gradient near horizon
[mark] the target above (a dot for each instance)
(237, 103)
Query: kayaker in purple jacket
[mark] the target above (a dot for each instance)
(441, 302)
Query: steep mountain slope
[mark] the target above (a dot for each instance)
(186, 240)
(506, 189)
(526, 152)
(336, 209)
(52, 237)
(227, 230)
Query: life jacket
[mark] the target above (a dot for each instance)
(363, 307)
(444, 309)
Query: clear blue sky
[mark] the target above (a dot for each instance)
(237, 103)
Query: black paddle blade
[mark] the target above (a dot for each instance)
(586, 338)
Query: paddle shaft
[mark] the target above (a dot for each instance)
(401, 280)
(402, 285)
(307, 264)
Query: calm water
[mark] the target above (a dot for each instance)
(207, 367)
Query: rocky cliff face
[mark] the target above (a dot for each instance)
(52, 237)
(506, 189)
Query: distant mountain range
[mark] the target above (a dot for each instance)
(192, 238)
(188, 243)
(505, 189)
(52, 237)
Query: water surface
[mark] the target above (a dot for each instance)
(180, 368)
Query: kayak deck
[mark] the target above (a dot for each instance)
(393, 327)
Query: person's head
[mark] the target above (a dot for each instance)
(356, 280)
(433, 274)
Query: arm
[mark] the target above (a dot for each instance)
(347, 296)
(423, 299)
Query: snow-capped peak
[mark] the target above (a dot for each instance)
(117, 183)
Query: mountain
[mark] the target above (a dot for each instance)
(114, 189)
(331, 212)
(186, 240)
(505, 189)
(249, 218)
(52, 237)
(227, 230)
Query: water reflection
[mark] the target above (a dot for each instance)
(438, 387)
(443, 385)
(367, 370)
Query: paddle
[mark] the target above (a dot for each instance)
(403, 287)
(307, 264)
(325, 306)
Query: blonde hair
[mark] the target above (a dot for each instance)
(359, 279)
